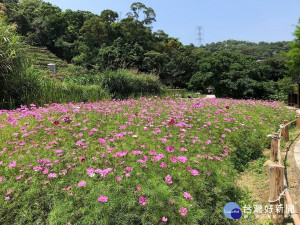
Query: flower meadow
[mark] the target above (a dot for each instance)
(144, 161)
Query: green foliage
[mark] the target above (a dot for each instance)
(199, 81)
(285, 85)
(11, 53)
(293, 55)
(105, 42)
(124, 84)
(235, 76)
(120, 55)
(261, 50)
(14, 81)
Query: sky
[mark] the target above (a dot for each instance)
(245, 20)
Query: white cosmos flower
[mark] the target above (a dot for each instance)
(134, 136)
(92, 175)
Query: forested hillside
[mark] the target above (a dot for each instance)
(105, 42)
(259, 51)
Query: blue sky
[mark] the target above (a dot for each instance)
(248, 20)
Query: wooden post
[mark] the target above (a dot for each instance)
(276, 173)
(285, 131)
(298, 122)
(298, 95)
(274, 147)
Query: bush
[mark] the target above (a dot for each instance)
(198, 81)
(123, 84)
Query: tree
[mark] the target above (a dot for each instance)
(137, 8)
(109, 16)
(293, 55)
(234, 75)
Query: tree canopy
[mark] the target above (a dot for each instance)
(238, 69)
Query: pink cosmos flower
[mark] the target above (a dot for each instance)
(128, 169)
(127, 174)
(82, 183)
(90, 171)
(208, 142)
(170, 148)
(208, 173)
(183, 149)
(171, 201)
(52, 175)
(138, 188)
(137, 152)
(67, 119)
(164, 219)
(228, 130)
(45, 170)
(122, 127)
(152, 152)
(223, 135)
(142, 200)
(224, 172)
(6, 198)
(194, 172)
(67, 188)
(183, 211)
(168, 179)
(102, 141)
(103, 198)
(187, 196)
(173, 159)
(1, 179)
(182, 159)
(12, 164)
(9, 192)
(118, 179)
(163, 165)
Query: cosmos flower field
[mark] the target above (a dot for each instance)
(145, 161)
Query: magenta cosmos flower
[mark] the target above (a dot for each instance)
(138, 188)
(170, 148)
(52, 175)
(12, 164)
(82, 183)
(142, 200)
(183, 211)
(187, 196)
(168, 179)
(102, 141)
(102, 198)
(164, 219)
(194, 172)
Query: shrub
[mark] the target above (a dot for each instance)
(122, 84)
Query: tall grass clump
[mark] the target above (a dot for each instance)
(13, 64)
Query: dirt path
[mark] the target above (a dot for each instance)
(257, 180)
(293, 171)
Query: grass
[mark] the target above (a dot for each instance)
(152, 158)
